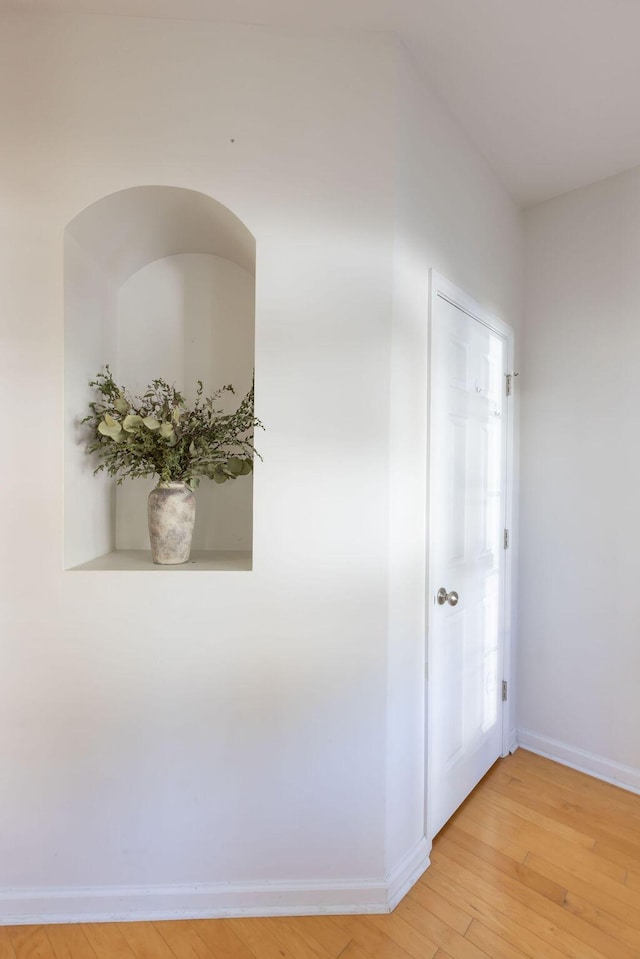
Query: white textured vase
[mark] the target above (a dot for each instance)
(172, 511)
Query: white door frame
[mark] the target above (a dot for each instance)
(441, 287)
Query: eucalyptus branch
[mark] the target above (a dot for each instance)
(158, 434)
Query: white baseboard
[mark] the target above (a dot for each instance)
(205, 901)
(406, 873)
(213, 900)
(606, 769)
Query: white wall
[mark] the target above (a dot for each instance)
(452, 215)
(580, 605)
(229, 728)
(233, 728)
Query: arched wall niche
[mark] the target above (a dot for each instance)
(158, 281)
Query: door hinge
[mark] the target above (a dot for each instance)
(504, 691)
(505, 541)
(508, 377)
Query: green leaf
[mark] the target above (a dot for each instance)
(235, 465)
(109, 427)
(177, 441)
(132, 423)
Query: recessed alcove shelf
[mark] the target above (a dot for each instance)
(201, 560)
(159, 282)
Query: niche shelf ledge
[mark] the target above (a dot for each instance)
(139, 560)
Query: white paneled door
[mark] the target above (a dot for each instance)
(467, 524)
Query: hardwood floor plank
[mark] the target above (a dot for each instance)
(578, 939)
(632, 880)
(502, 810)
(219, 936)
(144, 940)
(183, 941)
(354, 951)
(380, 946)
(300, 945)
(361, 931)
(541, 772)
(582, 803)
(378, 935)
(498, 922)
(437, 931)
(583, 862)
(6, 949)
(388, 949)
(30, 942)
(69, 942)
(575, 815)
(521, 872)
(492, 944)
(612, 897)
(514, 814)
(321, 930)
(412, 940)
(449, 912)
(515, 851)
(619, 855)
(614, 926)
(107, 941)
(260, 938)
(547, 928)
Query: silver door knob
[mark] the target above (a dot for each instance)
(442, 597)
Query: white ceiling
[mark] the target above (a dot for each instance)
(549, 90)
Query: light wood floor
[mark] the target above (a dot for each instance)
(540, 861)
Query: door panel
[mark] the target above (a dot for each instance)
(466, 524)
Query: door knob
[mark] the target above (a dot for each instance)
(442, 597)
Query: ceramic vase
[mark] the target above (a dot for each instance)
(172, 512)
